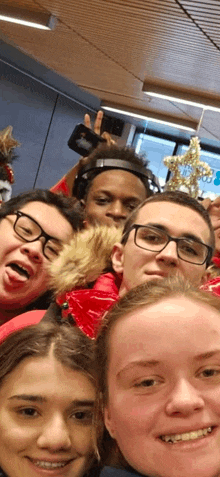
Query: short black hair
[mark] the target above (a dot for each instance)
(128, 154)
(176, 197)
(67, 206)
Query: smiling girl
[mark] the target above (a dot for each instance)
(47, 393)
(158, 356)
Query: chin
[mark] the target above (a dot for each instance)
(193, 469)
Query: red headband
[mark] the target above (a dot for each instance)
(22, 321)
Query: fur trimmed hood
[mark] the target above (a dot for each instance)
(86, 257)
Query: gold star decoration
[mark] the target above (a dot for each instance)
(198, 169)
(7, 143)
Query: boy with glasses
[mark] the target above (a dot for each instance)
(169, 233)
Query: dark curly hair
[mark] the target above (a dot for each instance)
(81, 189)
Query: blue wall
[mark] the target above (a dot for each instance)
(43, 109)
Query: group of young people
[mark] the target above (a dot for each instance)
(143, 397)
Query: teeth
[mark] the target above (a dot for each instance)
(49, 465)
(20, 269)
(187, 436)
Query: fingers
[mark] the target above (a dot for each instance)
(216, 202)
(108, 138)
(87, 121)
(98, 122)
(206, 203)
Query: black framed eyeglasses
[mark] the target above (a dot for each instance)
(155, 240)
(29, 230)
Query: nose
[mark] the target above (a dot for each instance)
(34, 250)
(169, 254)
(55, 435)
(184, 400)
(116, 211)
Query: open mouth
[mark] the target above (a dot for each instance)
(20, 269)
(47, 465)
(187, 436)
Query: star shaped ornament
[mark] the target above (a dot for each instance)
(7, 143)
(198, 169)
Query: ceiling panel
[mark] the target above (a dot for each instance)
(110, 47)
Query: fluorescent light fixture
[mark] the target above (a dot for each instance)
(40, 20)
(171, 121)
(182, 96)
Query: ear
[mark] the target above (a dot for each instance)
(118, 258)
(108, 422)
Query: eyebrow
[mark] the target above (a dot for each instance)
(41, 399)
(103, 191)
(153, 362)
(207, 355)
(183, 235)
(142, 363)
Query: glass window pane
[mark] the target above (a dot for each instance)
(155, 149)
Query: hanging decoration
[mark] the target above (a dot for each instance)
(198, 169)
(7, 144)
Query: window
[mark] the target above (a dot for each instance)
(207, 185)
(155, 148)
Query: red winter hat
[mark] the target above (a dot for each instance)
(21, 321)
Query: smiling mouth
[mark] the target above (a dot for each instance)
(43, 464)
(186, 436)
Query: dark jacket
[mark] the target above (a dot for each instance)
(113, 472)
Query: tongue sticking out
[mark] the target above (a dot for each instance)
(19, 270)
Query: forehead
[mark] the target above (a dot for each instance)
(174, 327)
(42, 376)
(178, 219)
(119, 182)
(49, 218)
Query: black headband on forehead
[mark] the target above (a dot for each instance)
(101, 165)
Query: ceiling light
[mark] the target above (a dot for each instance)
(41, 20)
(182, 96)
(171, 121)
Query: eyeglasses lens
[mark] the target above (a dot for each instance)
(52, 249)
(27, 229)
(155, 240)
(30, 231)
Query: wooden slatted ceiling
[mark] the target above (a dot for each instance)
(109, 47)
